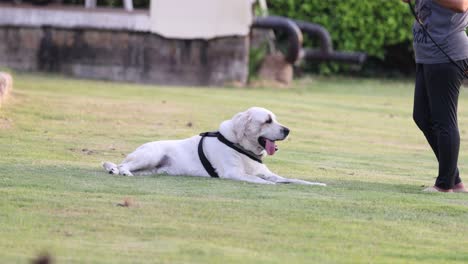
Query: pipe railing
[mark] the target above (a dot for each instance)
(289, 27)
(294, 30)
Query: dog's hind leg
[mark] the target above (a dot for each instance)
(135, 161)
(143, 163)
(110, 167)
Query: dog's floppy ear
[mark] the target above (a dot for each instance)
(234, 128)
(239, 124)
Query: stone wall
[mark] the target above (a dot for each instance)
(120, 55)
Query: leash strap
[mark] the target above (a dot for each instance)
(413, 11)
(206, 163)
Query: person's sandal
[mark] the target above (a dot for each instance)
(460, 188)
(436, 189)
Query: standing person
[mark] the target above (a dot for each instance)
(438, 82)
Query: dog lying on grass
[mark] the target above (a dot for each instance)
(234, 152)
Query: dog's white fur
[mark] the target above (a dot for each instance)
(180, 157)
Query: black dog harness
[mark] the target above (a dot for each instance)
(206, 163)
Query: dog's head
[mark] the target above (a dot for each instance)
(256, 130)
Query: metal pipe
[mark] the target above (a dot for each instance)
(287, 25)
(294, 31)
(346, 57)
(318, 31)
(326, 51)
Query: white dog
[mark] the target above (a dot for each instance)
(234, 152)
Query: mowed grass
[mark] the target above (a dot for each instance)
(355, 135)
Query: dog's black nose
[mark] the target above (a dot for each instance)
(285, 131)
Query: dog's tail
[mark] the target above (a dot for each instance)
(110, 167)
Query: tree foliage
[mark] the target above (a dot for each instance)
(355, 25)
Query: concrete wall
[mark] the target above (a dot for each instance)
(74, 16)
(123, 54)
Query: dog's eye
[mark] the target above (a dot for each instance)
(269, 120)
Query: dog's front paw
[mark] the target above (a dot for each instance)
(306, 182)
(315, 183)
(283, 181)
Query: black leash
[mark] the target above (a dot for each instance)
(413, 11)
(206, 163)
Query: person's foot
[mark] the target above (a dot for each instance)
(460, 188)
(436, 189)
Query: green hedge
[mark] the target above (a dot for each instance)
(355, 25)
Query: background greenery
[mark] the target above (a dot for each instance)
(369, 26)
(381, 28)
(355, 135)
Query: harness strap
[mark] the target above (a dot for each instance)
(239, 148)
(206, 163)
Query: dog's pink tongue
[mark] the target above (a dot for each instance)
(270, 147)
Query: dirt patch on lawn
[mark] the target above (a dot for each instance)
(83, 151)
(5, 123)
(128, 202)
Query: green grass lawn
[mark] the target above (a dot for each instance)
(355, 135)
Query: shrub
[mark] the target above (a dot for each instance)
(355, 25)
